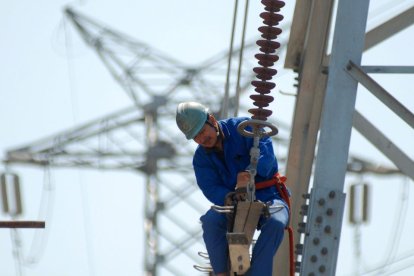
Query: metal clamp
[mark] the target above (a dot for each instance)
(223, 209)
(256, 124)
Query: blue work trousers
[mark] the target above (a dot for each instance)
(214, 226)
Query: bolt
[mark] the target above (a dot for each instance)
(301, 227)
(315, 241)
(331, 194)
(314, 259)
(324, 251)
(322, 269)
(321, 202)
(319, 219)
(327, 229)
(304, 209)
(239, 258)
(329, 212)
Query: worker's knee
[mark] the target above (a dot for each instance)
(213, 221)
(277, 221)
(281, 217)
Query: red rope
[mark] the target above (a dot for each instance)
(291, 255)
(279, 181)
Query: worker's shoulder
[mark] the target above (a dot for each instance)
(234, 120)
(229, 126)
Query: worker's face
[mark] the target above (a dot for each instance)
(207, 137)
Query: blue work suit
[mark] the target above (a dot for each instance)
(216, 174)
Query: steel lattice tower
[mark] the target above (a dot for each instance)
(325, 114)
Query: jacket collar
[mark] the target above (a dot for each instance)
(223, 133)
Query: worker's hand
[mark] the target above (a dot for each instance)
(243, 179)
(234, 197)
(241, 194)
(229, 199)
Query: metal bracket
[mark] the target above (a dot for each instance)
(322, 231)
(245, 223)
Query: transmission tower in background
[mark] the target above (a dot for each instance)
(143, 138)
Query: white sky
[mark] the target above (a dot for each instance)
(96, 226)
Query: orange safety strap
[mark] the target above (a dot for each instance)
(279, 181)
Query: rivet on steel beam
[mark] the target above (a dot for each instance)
(329, 212)
(299, 249)
(319, 219)
(322, 269)
(297, 267)
(302, 226)
(314, 259)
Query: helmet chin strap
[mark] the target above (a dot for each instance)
(213, 126)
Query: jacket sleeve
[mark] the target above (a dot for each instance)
(209, 180)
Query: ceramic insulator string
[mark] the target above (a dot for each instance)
(266, 59)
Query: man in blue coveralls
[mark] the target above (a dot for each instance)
(220, 163)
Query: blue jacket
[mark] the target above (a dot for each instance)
(217, 177)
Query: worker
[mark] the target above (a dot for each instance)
(221, 163)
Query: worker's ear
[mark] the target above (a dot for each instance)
(213, 120)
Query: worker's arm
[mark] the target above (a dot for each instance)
(209, 180)
(209, 183)
(243, 178)
(267, 165)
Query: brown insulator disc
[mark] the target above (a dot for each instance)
(271, 19)
(263, 87)
(273, 5)
(266, 60)
(267, 46)
(261, 100)
(260, 113)
(269, 32)
(264, 73)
